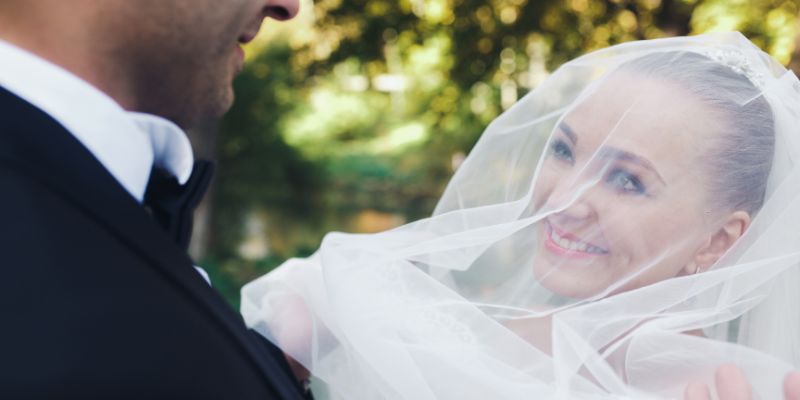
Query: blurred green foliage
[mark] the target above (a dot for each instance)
(356, 115)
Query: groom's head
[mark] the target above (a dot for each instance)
(174, 58)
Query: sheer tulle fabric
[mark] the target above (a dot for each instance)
(623, 230)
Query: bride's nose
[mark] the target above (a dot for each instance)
(574, 198)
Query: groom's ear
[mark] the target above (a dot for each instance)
(720, 241)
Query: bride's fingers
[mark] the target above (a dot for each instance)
(697, 391)
(732, 384)
(791, 386)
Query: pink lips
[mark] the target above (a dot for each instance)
(551, 245)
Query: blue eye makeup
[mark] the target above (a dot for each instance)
(561, 150)
(625, 182)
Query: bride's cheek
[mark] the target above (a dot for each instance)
(627, 234)
(543, 186)
(661, 247)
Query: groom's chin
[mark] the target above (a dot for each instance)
(208, 109)
(223, 106)
(220, 104)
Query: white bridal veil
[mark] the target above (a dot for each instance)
(625, 229)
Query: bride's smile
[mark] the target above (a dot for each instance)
(568, 245)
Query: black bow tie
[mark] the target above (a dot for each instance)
(173, 204)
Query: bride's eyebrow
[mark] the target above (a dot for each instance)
(568, 132)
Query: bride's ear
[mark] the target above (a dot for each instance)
(720, 241)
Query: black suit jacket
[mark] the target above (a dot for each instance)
(96, 301)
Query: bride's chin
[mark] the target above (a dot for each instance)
(564, 280)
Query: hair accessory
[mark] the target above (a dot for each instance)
(739, 63)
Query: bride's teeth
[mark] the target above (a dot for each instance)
(574, 246)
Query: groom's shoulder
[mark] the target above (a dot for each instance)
(42, 165)
(23, 194)
(28, 139)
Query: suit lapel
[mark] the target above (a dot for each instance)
(31, 141)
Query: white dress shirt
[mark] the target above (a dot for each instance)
(127, 144)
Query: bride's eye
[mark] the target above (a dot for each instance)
(561, 151)
(625, 182)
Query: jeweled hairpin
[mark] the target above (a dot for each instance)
(739, 63)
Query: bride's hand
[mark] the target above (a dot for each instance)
(292, 329)
(731, 384)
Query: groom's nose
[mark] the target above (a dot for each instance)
(281, 10)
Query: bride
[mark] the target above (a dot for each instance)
(626, 228)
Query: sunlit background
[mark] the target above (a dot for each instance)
(353, 116)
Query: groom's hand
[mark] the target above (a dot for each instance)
(731, 384)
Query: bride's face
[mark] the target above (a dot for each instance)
(624, 183)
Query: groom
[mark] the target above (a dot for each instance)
(98, 298)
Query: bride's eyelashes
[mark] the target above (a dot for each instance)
(562, 151)
(625, 182)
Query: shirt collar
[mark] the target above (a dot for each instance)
(127, 144)
(171, 148)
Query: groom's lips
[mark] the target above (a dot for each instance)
(244, 39)
(247, 37)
